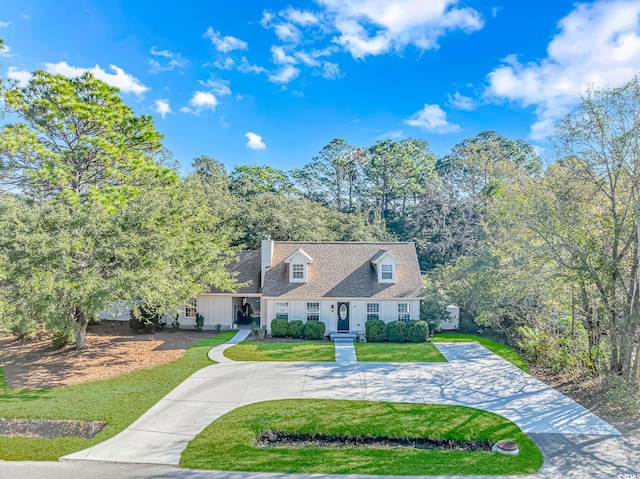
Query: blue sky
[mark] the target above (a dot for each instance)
(253, 84)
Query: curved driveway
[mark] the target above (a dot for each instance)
(473, 376)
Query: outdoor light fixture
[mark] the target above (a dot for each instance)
(333, 308)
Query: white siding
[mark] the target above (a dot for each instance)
(357, 311)
(215, 309)
(454, 321)
(298, 310)
(388, 311)
(118, 311)
(326, 316)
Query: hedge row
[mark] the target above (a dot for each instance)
(396, 331)
(297, 329)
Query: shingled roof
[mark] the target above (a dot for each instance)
(344, 270)
(245, 269)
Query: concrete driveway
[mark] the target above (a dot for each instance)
(473, 376)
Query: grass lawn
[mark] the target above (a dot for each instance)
(118, 402)
(398, 352)
(505, 352)
(285, 351)
(228, 443)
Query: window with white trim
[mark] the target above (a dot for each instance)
(191, 309)
(403, 312)
(297, 271)
(313, 311)
(282, 310)
(387, 271)
(373, 311)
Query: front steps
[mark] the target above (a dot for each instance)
(343, 336)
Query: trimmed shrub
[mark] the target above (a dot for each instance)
(417, 331)
(314, 330)
(296, 328)
(375, 330)
(396, 332)
(279, 328)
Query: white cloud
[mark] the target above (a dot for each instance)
(374, 27)
(302, 18)
(432, 118)
(171, 60)
(254, 141)
(285, 75)
(461, 102)
(287, 32)
(5, 24)
(162, 107)
(391, 135)
(22, 77)
(598, 44)
(219, 87)
(331, 71)
(246, 67)
(225, 44)
(126, 82)
(280, 57)
(201, 100)
(5, 51)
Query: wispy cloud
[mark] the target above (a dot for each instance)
(285, 75)
(165, 60)
(162, 107)
(124, 81)
(461, 102)
(225, 44)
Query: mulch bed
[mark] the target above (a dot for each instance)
(285, 439)
(45, 428)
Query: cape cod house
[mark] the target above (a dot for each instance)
(339, 283)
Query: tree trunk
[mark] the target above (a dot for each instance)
(81, 338)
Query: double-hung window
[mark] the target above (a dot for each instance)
(297, 271)
(403, 312)
(191, 309)
(373, 311)
(387, 271)
(313, 311)
(282, 310)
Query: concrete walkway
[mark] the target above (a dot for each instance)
(473, 377)
(345, 351)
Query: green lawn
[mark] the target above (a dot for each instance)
(398, 352)
(118, 402)
(505, 352)
(285, 351)
(229, 442)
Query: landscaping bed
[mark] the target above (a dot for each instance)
(113, 349)
(229, 443)
(47, 428)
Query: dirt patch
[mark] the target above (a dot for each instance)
(47, 429)
(285, 439)
(113, 349)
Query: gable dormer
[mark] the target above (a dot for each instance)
(385, 264)
(298, 266)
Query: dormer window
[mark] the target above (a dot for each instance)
(298, 266)
(385, 263)
(387, 271)
(297, 271)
